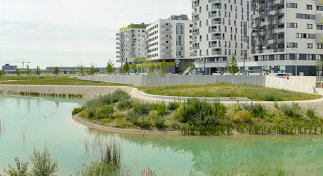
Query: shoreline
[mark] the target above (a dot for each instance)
(104, 128)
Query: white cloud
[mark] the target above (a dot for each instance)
(70, 31)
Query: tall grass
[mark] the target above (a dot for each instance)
(44, 164)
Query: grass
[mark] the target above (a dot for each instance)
(254, 93)
(195, 117)
(60, 81)
(25, 77)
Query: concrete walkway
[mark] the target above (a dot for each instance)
(96, 91)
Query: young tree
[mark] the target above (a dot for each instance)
(2, 73)
(134, 68)
(232, 67)
(28, 71)
(92, 70)
(110, 67)
(56, 71)
(21, 170)
(81, 70)
(17, 72)
(38, 71)
(162, 69)
(125, 68)
(319, 66)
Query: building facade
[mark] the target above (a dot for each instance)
(131, 43)
(221, 29)
(170, 40)
(8, 67)
(287, 35)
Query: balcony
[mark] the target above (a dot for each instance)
(216, 7)
(167, 32)
(167, 50)
(195, 4)
(319, 19)
(193, 54)
(215, 22)
(319, 38)
(213, 30)
(214, 45)
(216, 37)
(319, 2)
(216, 52)
(195, 18)
(166, 38)
(167, 44)
(213, 15)
(196, 33)
(211, 1)
(166, 26)
(196, 47)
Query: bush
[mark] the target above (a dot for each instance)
(291, 111)
(311, 113)
(22, 169)
(161, 109)
(105, 111)
(115, 97)
(141, 108)
(257, 110)
(159, 122)
(143, 122)
(43, 163)
(125, 104)
(77, 110)
(172, 106)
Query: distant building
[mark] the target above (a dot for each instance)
(8, 67)
(131, 43)
(170, 40)
(74, 69)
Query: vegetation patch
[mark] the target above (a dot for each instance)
(195, 117)
(254, 93)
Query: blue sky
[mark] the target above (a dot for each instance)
(71, 32)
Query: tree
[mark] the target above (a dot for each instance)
(232, 67)
(38, 71)
(110, 67)
(81, 69)
(28, 71)
(134, 68)
(319, 66)
(92, 70)
(56, 71)
(2, 72)
(17, 72)
(125, 68)
(162, 69)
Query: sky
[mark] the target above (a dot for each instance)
(73, 32)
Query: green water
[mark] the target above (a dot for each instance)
(25, 124)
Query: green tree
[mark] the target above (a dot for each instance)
(56, 71)
(28, 71)
(44, 164)
(319, 66)
(17, 71)
(92, 70)
(162, 69)
(232, 67)
(110, 67)
(38, 71)
(21, 170)
(134, 68)
(151, 68)
(125, 68)
(81, 69)
(2, 72)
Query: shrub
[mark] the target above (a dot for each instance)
(291, 111)
(311, 113)
(105, 111)
(125, 104)
(176, 125)
(22, 169)
(143, 122)
(161, 109)
(276, 105)
(115, 97)
(172, 106)
(77, 110)
(257, 110)
(159, 122)
(43, 163)
(141, 108)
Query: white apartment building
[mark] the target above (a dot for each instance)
(131, 43)
(170, 40)
(221, 29)
(287, 35)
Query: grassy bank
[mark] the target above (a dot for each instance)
(4, 78)
(196, 117)
(255, 93)
(60, 81)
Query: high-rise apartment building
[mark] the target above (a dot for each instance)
(221, 29)
(131, 43)
(287, 35)
(170, 40)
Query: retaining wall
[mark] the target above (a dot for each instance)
(297, 84)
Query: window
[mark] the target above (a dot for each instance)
(292, 5)
(309, 7)
(319, 8)
(319, 27)
(309, 45)
(309, 26)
